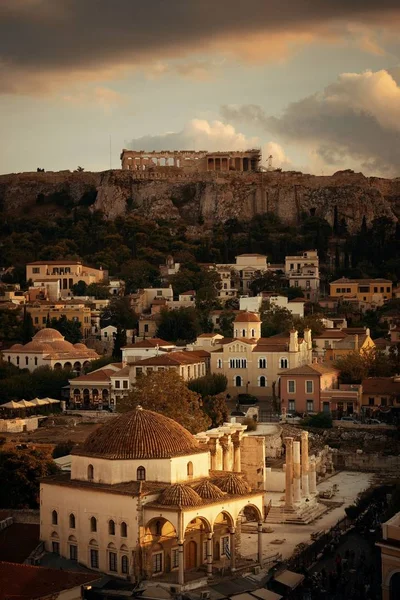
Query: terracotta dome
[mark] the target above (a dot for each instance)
(48, 335)
(80, 347)
(16, 347)
(35, 347)
(208, 491)
(233, 484)
(140, 434)
(63, 346)
(247, 317)
(179, 495)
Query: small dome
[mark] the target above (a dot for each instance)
(140, 434)
(179, 495)
(247, 317)
(233, 484)
(80, 347)
(34, 346)
(16, 347)
(48, 335)
(208, 490)
(62, 346)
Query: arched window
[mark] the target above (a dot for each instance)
(26, 360)
(54, 517)
(90, 472)
(253, 333)
(141, 474)
(262, 381)
(219, 363)
(190, 469)
(93, 524)
(283, 363)
(238, 381)
(124, 564)
(158, 527)
(124, 529)
(72, 521)
(111, 527)
(35, 359)
(262, 363)
(243, 333)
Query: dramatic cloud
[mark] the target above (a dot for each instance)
(356, 118)
(48, 43)
(199, 134)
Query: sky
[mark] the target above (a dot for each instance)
(316, 84)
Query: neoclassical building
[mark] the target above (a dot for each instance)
(147, 499)
(49, 348)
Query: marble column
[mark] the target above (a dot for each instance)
(237, 465)
(181, 565)
(225, 453)
(289, 473)
(141, 163)
(296, 472)
(313, 476)
(209, 554)
(232, 548)
(304, 464)
(259, 543)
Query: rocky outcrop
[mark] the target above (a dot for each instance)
(203, 198)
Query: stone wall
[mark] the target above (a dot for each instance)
(19, 425)
(208, 197)
(359, 461)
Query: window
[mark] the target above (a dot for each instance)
(243, 333)
(262, 363)
(375, 290)
(124, 564)
(158, 528)
(141, 474)
(175, 558)
(189, 469)
(117, 383)
(238, 381)
(157, 562)
(35, 359)
(310, 405)
(73, 552)
(125, 384)
(371, 401)
(291, 387)
(284, 363)
(291, 406)
(90, 472)
(72, 521)
(262, 381)
(26, 360)
(54, 517)
(94, 558)
(159, 292)
(146, 328)
(111, 527)
(37, 320)
(388, 290)
(36, 270)
(225, 545)
(296, 283)
(17, 360)
(93, 524)
(309, 387)
(253, 333)
(112, 561)
(55, 547)
(383, 401)
(382, 290)
(219, 363)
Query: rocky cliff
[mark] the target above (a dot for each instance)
(203, 198)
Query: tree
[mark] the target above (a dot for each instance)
(119, 314)
(226, 320)
(267, 282)
(294, 292)
(275, 319)
(99, 291)
(179, 324)
(27, 327)
(80, 288)
(119, 343)
(165, 392)
(358, 365)
(10, 325)
(216, 408)
(209, 385)
(48, 382)
(312, 322)
(63, 449)
(20, 474)
(322, 420)
(139, 274)
(71, 330)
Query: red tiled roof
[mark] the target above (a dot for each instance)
(25, 582)
(18, 540)
(332, 334)
(148, 343)
(202, 353)
(381, 385)
(188, 293)
(101, 375)
(247, 317)
(55, 262)
(170, 360)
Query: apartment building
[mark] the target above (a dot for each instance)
(371, 291)
(302, 271)
(67, 272)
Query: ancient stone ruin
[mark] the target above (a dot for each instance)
(191, 161)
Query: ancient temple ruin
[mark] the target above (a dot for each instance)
(192, 161)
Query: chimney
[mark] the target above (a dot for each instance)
(293, 343)
(356, 342)
(307, 338)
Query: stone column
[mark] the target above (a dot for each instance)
(225, 453)
(237, 465)
(296, 472)
(304, 464)
(209, 554)
(259, 543)
(232, 548)
(313, 476)
(241, 164)
(289, 473)
(141, 163)
(181, 571)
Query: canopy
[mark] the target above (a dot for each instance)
(25, 404)
(265, 594)
(52, 400)
(11, 404)
(290, 579)
(40, 402)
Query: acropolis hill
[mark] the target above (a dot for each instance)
(200, 188)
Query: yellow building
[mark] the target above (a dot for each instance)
(73, 310)
(390, 557)
(360, 342)
(372, 291)
(68, 272)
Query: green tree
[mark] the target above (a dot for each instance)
(321, 420)
(139, 274)
(99, 291)
(80, 288)
(358, 365)
(179, 324)
(20, 474)
(225, 325)
(27, 327)
(119, 343)
(275, 319)
(63, 449)
(10, 325)
(209, 385)
(71, 330)
(166, 392)
(216, 409)
(119, 314)
(47, 382)
(294, 292)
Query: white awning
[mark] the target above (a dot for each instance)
(290, 579)
(266, 594)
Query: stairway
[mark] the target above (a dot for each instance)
(303, 514)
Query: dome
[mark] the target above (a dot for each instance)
(179, 495)
(80, 347)
(140, 434)
(233, 484)
(35, 347)
(16, 347)
(48, 335)
(247, 317)
(208, 490)
(62, 346)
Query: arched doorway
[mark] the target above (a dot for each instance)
(191, 555)
(223, 525)
(86, 397)
(394, 587)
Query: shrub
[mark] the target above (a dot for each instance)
(63, 449)
(246, 399)
(321, 420)
(250, 423)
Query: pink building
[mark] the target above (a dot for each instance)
(301, 389)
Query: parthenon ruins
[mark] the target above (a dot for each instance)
(190, 160)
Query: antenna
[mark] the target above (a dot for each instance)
(110, 152)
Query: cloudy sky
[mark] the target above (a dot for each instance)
(314, 83)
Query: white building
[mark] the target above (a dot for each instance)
(303, 272)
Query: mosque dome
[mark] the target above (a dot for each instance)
(140, 434)
(179, 495)
(208, 491)
(247, 317)
(48, 335)
(233, 484)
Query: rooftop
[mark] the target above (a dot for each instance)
(18, 540)
(313, 369)
(360, 281)
(381, 385)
